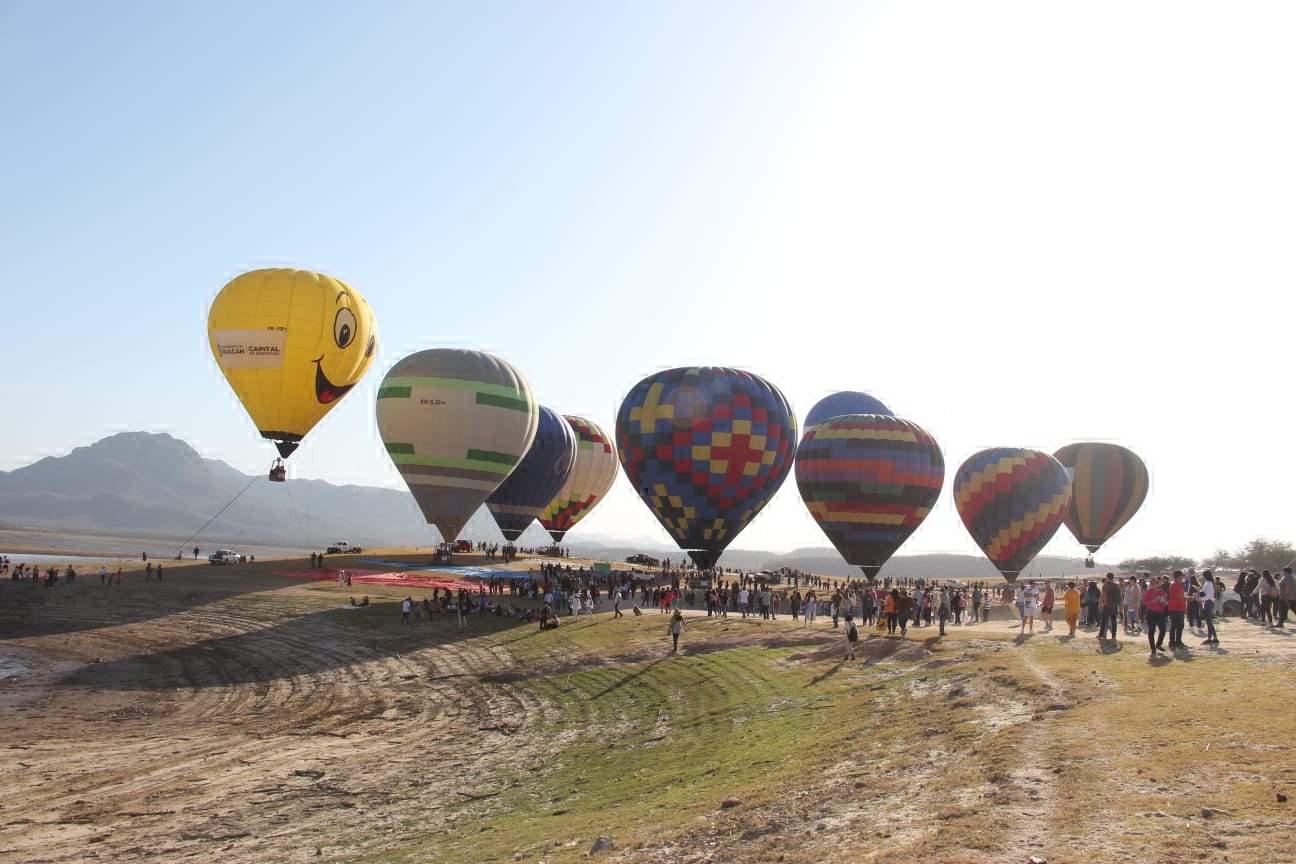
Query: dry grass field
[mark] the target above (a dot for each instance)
(231, 715)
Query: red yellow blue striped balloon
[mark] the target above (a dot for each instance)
(869, 481)
(1012, 502)
(1108, 486)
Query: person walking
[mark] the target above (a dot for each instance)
(1046, 606)
(811, 606)
(1155, 605)
(890, 607)
(1028, 603)
(676, 628)
(852, 636)
(616, 605)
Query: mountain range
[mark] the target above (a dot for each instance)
(156, 487)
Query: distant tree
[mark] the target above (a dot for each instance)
(1223, 559)
(1158, 563)
(1265, 554)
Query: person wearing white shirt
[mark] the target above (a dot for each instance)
(1207, 596)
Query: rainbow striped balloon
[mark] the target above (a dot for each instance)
(869, 481)
(1012, 501)
(1108, 486)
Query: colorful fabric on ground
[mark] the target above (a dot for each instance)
(455, 423)
(869, 481)
(706, 448)
(402, 579)
(538, 477)
(843, 403)
(591, 477)
(1108, 486)
(1012, 502)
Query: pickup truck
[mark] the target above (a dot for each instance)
(223, 556)
(643, 560)
(342, 547)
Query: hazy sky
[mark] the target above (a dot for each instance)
(1017, 223)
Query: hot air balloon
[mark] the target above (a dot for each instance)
(1012, 502)
(537, 478)
(455, 423)
(706, 448)
(590, 478)
(291, 343)
(1108, 485)
(869, 481)
(843, 403)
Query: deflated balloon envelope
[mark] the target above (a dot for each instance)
(843, 403)
(537, 478)
(455, 423)
(590, 478)
(291, 343)
(1108, 486)
(706, 448)
(1012, 501)
(869, 481)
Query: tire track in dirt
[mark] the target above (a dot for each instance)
(228, 733)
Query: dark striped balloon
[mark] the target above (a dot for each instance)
(1012, 502)
(537, 478)
(843, 403)
(869, 481)
(1108, 485)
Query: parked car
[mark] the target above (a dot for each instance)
(223, 556)
(643, 561)
(342, 547)
(462, 546)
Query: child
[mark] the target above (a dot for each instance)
(852, 636)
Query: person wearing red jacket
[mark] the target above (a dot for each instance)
(1177, 603)
(1156, 602)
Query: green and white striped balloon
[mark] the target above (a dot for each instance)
(455, 423)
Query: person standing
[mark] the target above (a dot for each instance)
(1207, 595)
(1071, 607)
(616, 605)
(1266, 592)
(1155, 605)
(1286, 595)
(407, 606)
(976, 604)
(1109, 601)
(1177, 607)
(676, 628)
(942, 608)
(1028, 601)
(811, 606)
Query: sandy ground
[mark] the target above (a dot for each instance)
(231, 714)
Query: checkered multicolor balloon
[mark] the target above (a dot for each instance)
(706, 448)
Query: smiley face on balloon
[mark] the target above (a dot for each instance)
(291, 343)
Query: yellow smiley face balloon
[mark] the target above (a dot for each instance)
(291, 343)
